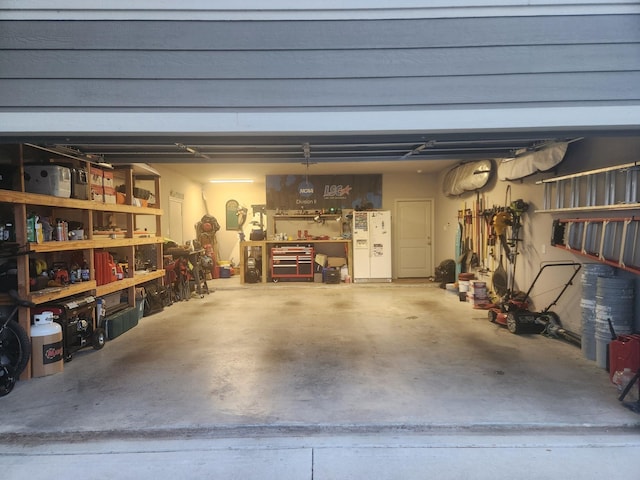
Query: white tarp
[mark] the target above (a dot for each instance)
(531, 162)
(467, 177)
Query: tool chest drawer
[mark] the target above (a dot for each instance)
(292, 262)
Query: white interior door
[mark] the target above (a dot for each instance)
(413, 239)
(175, 220)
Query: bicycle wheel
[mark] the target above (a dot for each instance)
(15, 348)
(7, 381)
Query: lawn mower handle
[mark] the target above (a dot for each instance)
(566, 285)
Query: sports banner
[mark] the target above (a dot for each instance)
(323, 192)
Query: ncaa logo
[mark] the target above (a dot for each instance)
(305, 189)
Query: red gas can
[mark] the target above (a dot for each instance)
(624, 352)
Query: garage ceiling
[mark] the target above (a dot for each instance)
(205, 157)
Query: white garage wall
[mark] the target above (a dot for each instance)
(172, 183)
(246, 195)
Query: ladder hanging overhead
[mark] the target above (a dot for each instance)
(610, 188)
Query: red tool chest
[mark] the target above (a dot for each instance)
(292, 262)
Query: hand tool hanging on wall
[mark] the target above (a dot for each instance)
(501, 222)
(459, 239)
(471, 259)
(517, 208)
(477, 223)
(464, 220)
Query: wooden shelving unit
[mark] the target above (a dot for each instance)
(125, 242)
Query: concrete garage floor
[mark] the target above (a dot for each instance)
(290, 366)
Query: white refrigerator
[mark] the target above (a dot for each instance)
(371, 246)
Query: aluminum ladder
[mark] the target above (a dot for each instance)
(609, 188)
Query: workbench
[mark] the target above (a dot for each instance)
(336, 247)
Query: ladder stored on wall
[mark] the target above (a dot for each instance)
(613, 241)
(609, 188)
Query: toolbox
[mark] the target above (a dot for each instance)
(48, 180)
(121, 322)
(292, 262)
(332, 275)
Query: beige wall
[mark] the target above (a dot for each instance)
(246, 194)
(172, 183)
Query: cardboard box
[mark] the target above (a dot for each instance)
(107, 179)
(97, 193)
(336, 262)
(109, 195)
(96, 176)
(321, 259)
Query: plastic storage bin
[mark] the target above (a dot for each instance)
(48, 180)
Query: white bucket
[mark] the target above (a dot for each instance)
(463, 286)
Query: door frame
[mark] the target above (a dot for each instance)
(179, 201)
(396, 242)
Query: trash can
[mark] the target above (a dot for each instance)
(46, 346)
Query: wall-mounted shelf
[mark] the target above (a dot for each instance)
(56, 293)
(88, 244)
(310, 215)
(137, 279)
(11, 196)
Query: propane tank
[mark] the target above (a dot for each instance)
(46, 345)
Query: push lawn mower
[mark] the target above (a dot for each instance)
(513, 310)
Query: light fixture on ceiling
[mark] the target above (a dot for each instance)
(231, 180)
